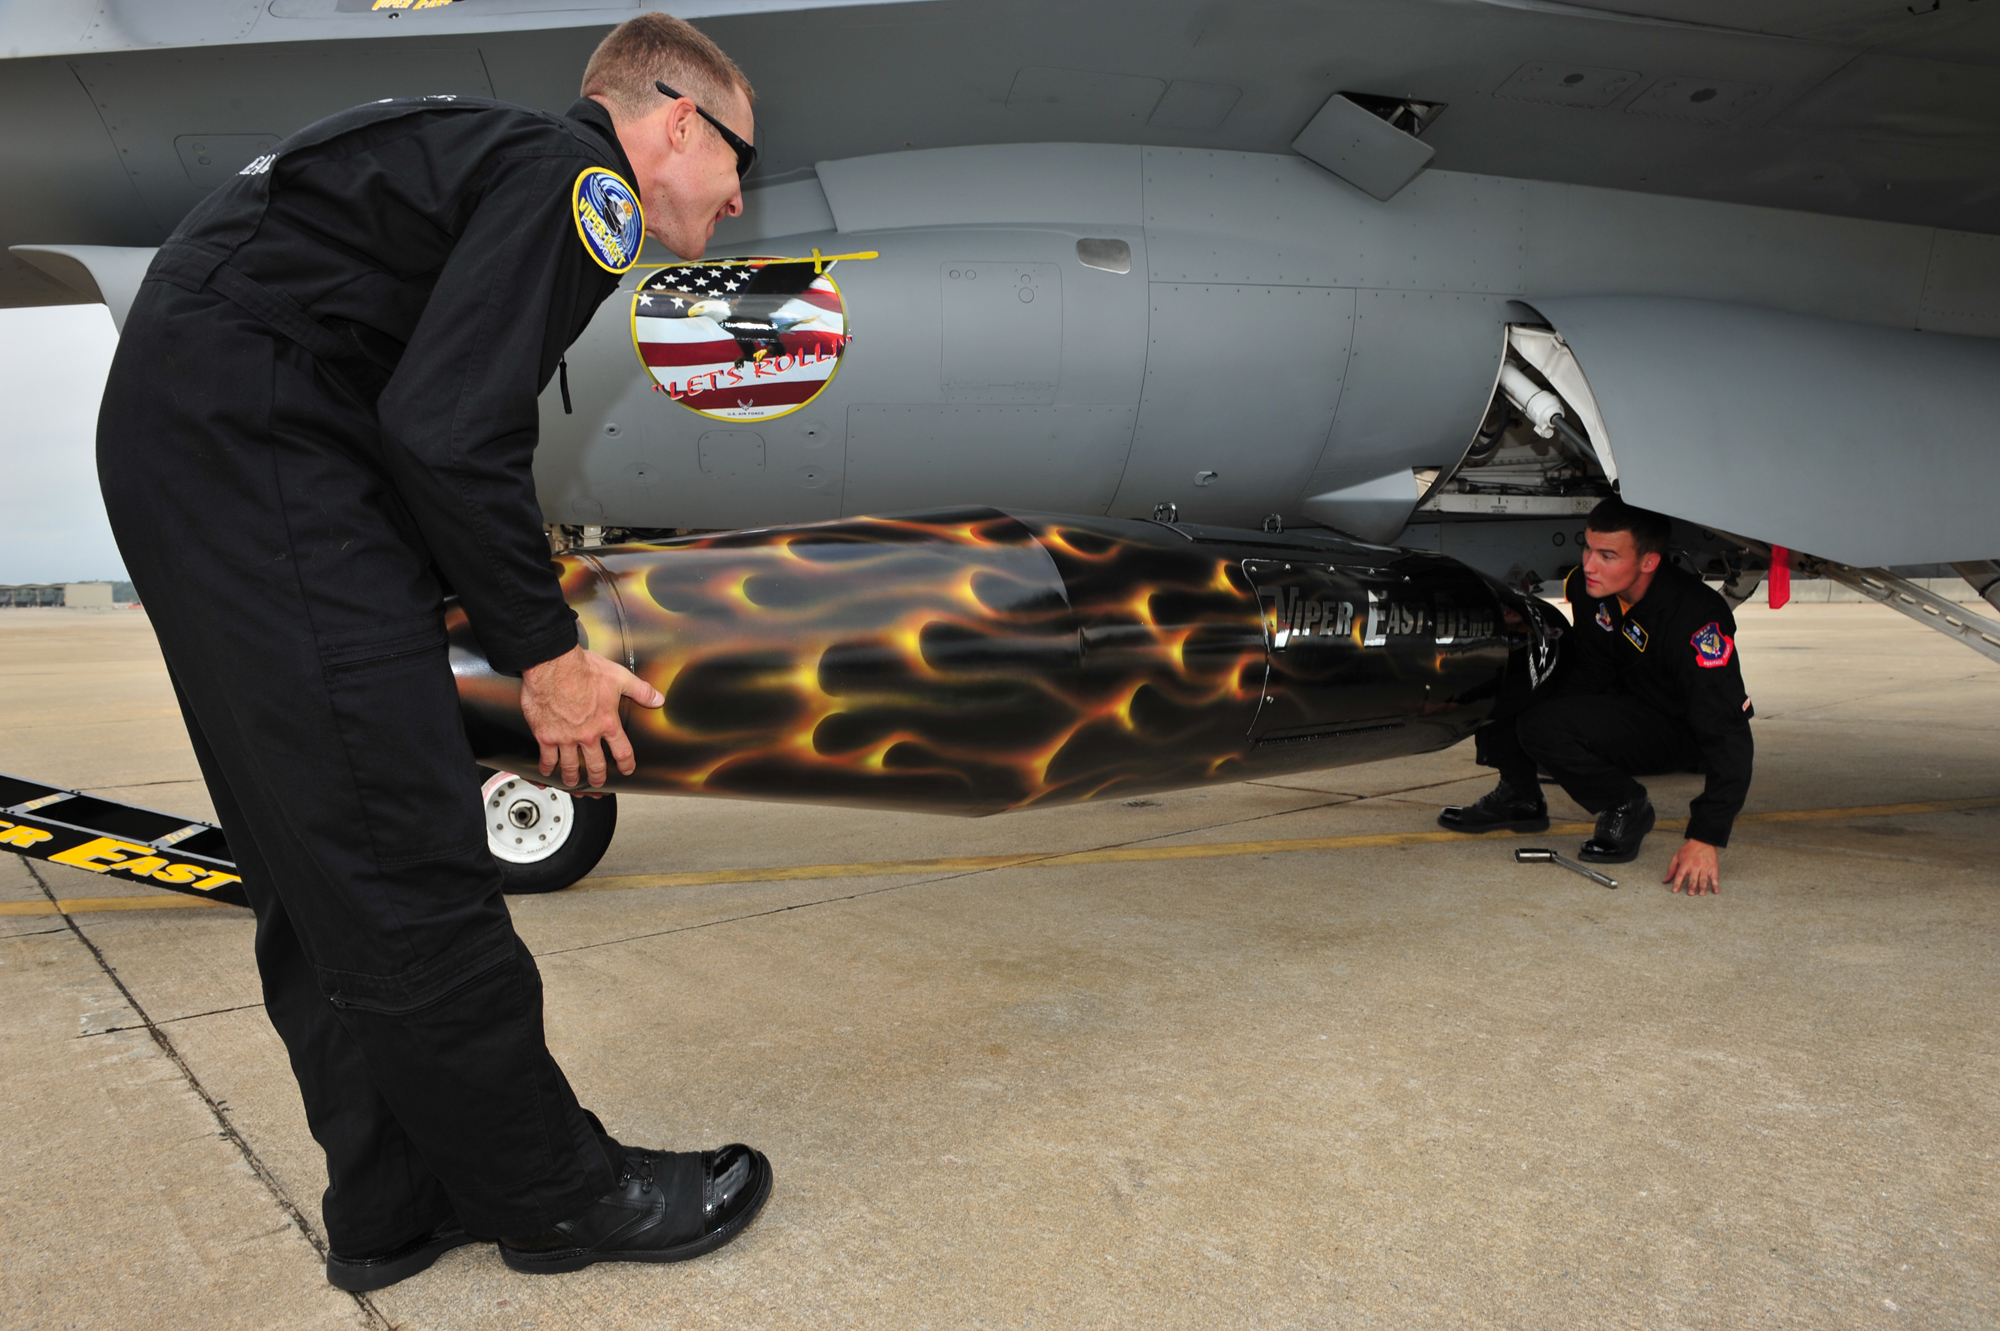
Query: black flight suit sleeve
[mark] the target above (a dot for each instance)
(1718, 712)
(459, 417)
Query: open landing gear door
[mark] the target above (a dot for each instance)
(1541, 450)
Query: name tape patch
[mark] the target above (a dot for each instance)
(608, 218)
(1635, 634)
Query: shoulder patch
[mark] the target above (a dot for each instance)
(608, 218)
(1635, 633)
(1712, 647)
(1604, 616)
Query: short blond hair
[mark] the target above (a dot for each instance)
(660, 46)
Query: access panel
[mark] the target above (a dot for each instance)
(1241, 385)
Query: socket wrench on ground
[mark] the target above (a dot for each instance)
(1532, 855)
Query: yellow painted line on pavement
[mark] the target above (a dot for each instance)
(786, 873)
(976, 863)
(1117, 855)
(1865, 811)
(81, 905)
(1211, 850)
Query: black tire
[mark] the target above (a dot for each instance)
(593, 823)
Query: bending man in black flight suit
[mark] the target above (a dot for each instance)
(1650, 682)
(322, 413)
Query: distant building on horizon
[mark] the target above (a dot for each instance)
(76, 595)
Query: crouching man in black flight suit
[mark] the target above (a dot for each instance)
(1649, 682)
(322, 416)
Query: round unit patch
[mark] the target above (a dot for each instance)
(609, 219)
(740, 339)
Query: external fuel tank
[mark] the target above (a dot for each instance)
(973, 661)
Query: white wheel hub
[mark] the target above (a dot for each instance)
(525, 822)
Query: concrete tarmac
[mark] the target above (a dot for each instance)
(1273, 1054)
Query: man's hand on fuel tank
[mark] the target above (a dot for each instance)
(571, 704)
(1695, 869)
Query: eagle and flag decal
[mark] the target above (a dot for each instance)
(742, 339)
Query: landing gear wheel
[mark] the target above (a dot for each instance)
(543, 838)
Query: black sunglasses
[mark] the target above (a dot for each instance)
(746, 153)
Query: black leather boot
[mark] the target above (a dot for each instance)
(1506, 806)
(380, 1270)
(1620, 831)
(667, 1207)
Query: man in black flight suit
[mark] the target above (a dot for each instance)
(1650, 681)
(322, 414)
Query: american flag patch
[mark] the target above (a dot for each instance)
(740, 339)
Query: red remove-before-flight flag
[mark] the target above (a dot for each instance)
(1778, 582)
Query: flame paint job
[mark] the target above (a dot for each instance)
(974, 661)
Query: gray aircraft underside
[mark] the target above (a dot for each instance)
(1734, 256)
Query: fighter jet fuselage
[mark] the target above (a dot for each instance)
(1443, 271)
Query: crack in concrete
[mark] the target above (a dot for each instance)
(215, 1107)
(1343, 800)
(167, 1021)
(776, 910)
(877, 891)
(1352, 796)
(213, 1012)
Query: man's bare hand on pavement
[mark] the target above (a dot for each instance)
(1695, 869)
(571, 704)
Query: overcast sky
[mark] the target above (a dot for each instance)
(52, 366)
